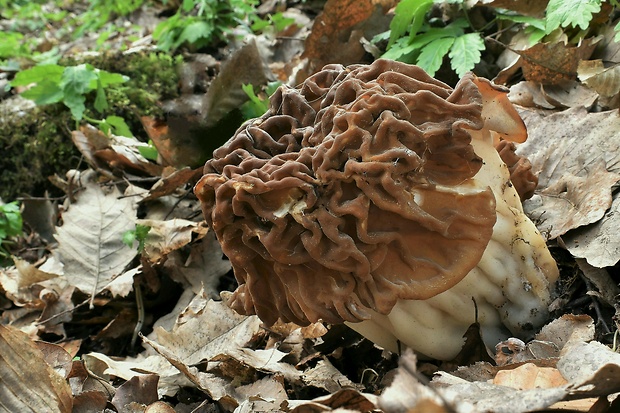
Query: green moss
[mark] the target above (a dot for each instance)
(36, 146)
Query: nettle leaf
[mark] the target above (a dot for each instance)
(36, 74)
(408, 17)
(575, 13)
(465, 52)
(432, 55)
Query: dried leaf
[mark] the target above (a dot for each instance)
(203, 268)
(577, 157)
(567, 329)
(213, 331)
(170, 183)
(167, 236)
(605, 81)
(554, 63)
(138, 389)
(325, 376)
(27, 382)
(334, 38)
(530, 376)
(245, 66)
(90, 240)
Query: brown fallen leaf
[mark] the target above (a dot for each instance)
(554, 63)
(530, 376)
(576, 156)
(336, 34)
(27, 382)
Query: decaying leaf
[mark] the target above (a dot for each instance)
(245, 66)
(577, 158)
(202, 269)
(107, 154)
(605, 80)
(337, 32)
(90, 239)
(27, 382)
(167, 236)
(554, 63)
(530, 376)
(211, 332)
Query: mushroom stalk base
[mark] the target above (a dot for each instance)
(510, 287)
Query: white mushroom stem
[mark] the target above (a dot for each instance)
(510, 285)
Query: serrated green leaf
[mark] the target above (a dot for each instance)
(195, 31)
(617, 30)
(575, 13)
(408, 17)
(44, 93)
(37, 74)
(432, 54)
(465, 52)
(77, 79)
(120, 126)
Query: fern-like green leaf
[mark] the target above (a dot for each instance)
(575, 13)
(408, 17)
(432, 55)
(465, 52)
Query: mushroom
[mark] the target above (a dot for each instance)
(372, 195)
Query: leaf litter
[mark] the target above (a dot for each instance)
(91, 290)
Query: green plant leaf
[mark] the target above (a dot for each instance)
(75, 103)
(519, 18)
(149, 152)
(101, 103)
(408, 17)
(195, 31)
(44, 93)
(78, 79)
(617, 30)
(575, 13)
(11, 222)
(108, 78)
(119, 125)
(432, 54)
(465, 52)
(37, 74)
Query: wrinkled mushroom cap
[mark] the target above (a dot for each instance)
(353, 191)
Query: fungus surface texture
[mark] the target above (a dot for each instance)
(373, 195)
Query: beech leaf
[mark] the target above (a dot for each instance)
(90, 241)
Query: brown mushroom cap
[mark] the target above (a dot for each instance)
(353, 191)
